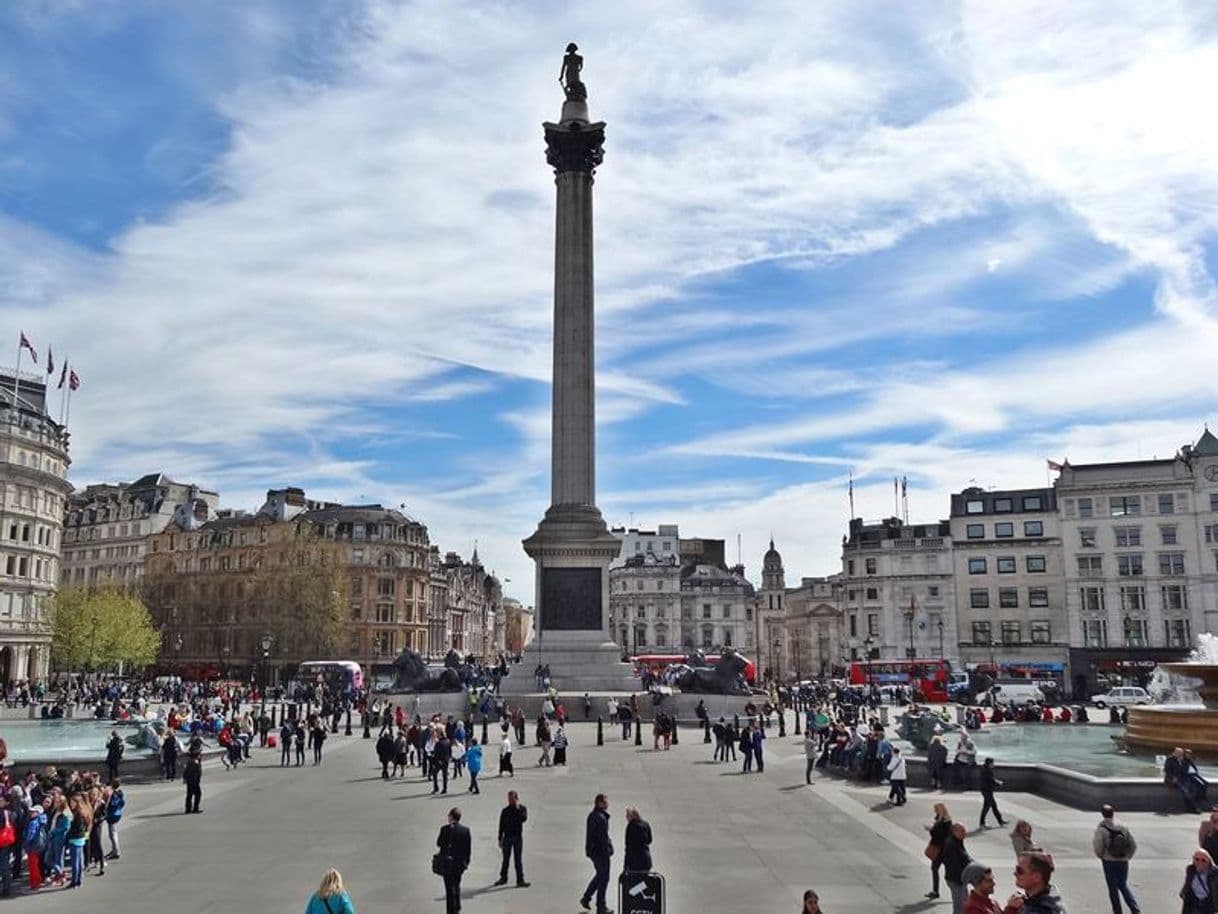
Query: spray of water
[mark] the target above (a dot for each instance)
(1170, 688)
(1206, 650)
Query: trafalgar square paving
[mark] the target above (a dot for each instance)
(724, 841)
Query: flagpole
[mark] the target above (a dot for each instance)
(17, 378)
(67, 418)
(63, 397)
(851, 490)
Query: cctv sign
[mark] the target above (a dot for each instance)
(640, 893)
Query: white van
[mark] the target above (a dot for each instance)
(1016, 692)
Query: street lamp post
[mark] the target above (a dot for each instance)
(266, 668)
(940, 638)
(867, 642)
(777, 659)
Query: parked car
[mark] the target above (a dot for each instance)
(1122, 695)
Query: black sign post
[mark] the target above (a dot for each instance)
(640, 893)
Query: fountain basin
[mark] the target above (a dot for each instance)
(1164, 727)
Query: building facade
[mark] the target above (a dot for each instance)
(1140, 544)
(474, 600)
(717, 605)
(106, 527)
(769, 617)
(812, 628)
(898, 590)
(1009, 583)
(34, 488)
(215, 590)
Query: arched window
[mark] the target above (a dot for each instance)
(387, 560)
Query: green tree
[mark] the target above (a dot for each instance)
(301, 597)
(100, 629)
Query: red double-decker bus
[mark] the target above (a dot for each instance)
(930, 677)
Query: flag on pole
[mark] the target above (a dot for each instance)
(904, 486)
(26, 344)
(63, 377)
(73, 380)
(50, 362)
(1054, 465)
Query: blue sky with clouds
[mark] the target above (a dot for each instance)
(310, 243)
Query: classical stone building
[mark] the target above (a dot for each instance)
(213, 589)
(899, 588)
(107, 526)
(1010, 592)
(716, 605)
(475, 607)
(517, 625)
(812, 628)
(1140, 543)
(767, 630)
(34, 487)
(645, 603)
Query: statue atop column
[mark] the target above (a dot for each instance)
(572, 66)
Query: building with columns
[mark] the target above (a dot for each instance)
(812, 628)
(107, 525)
(474, 599)
(34, 488)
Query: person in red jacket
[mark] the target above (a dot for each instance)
(979, 900)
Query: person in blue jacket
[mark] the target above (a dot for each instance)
(114, 814)
(473, 761)
(332, 897)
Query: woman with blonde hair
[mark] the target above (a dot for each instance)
(1021, 838)
(332, 897)
(939, 828)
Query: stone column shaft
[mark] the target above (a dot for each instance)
(573, 439)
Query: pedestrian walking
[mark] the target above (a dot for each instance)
(1114, 844)
(300, 742)
(1199, 893)
(940, 829)
(511, 838)
(505, 755)
(746, 747)
(114, 754)
(331, 897)
(319, 739)
(758, 746)
(638, 843)
(441, 755)
(543, 740)
(116, 805)
(473, 761)
(452, 859)
(936, 762)
(955, 859)
(811, 903)
(1034, 877)
(169, 756)
(896, 778)
(192, 775)
(810, 753)
(988, 784)
(624, 717)
(598, 847)
(384, 751)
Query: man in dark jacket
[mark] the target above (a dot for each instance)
(454, 844)
(385, 751)
(192, 774)
(988, 785)
(441, 755)
(1033, 874)
(955, 859)
(511, 837)
(638, 842)
(114, 752)
(598, 847)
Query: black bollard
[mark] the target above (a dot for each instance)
(736, 721)
(638, 731)
(600, 732)
(367, 724)
(273, 727)
(797, 716)
(348, 731)
(706, 730)
(675, 729)
(484, 729)
(782, 723)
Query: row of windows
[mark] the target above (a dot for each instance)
(1131, 505)
(1005, 505)
(1176, 632)
(1007, 564)
(1131, 564)
(21, 566)
(873, 593)
(660, 638)
(1008, 597)
(1133, 597)
(1011, 632)
(1005, 530)
(388, 612)
(1123, 537)
(905, 564)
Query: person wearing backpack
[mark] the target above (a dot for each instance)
(116, 803)
(1113, 843)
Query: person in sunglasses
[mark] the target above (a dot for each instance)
(1200, 891)
(1034, 877)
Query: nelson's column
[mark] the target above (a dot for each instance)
(572, 546)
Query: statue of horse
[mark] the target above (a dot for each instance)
(725, 678)
(411, 674)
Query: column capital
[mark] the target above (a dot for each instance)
(575, 146)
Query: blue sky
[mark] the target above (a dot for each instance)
(310, 243)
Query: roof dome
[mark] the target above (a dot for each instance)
(772, 559)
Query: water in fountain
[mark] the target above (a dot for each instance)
(1175, 688)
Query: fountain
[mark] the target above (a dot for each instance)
(1192, 725)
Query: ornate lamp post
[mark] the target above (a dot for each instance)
(867, 642)
(266, 642)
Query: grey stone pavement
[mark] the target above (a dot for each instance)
(724, 841)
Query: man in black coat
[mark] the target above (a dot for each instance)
(441, 755)
(454, 844)
(598, 847)
(989, 783)
(385, 751)
(511, 837)
(192, 774)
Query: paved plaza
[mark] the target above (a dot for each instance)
(725, 842)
